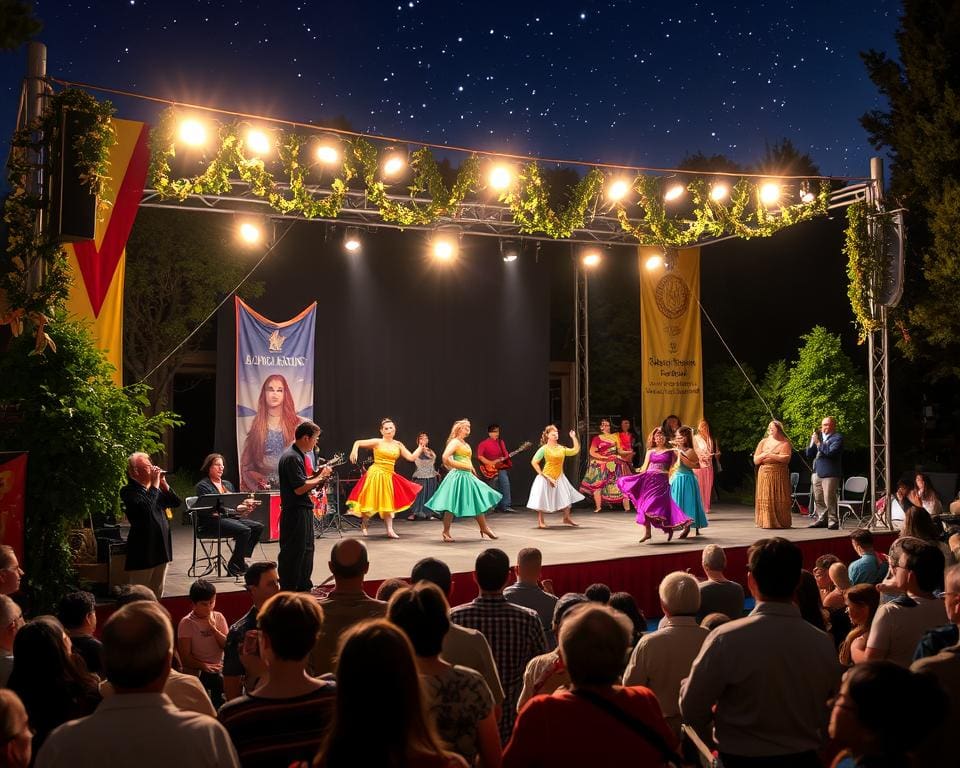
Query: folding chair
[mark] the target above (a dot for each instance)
(853, 502)
(796, 496)
(209, 542)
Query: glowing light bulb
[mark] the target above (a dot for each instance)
(393, 165)
(769, 193)
(328, 154)
(591, 258)
(250, 233)
(193, 132)
(501, 177)
(618, 190)
(654, 262)
(719, 191)
(257, 142)
(676, 191)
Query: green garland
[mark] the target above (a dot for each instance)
(863, 268)
(22, 303)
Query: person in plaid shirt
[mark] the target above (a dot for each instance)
(515, 633)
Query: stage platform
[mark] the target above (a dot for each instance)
(604, 548)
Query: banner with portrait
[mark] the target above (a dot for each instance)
(274, 389)
(672, 371)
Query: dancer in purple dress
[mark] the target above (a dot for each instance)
(649, 489)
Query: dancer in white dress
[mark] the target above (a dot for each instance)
(551, 491)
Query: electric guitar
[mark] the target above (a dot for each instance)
(319, 494)
(504, 463)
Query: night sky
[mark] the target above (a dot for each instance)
(621, 82)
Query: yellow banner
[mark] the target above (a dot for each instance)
(672, 371)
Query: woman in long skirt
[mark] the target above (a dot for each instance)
(427, 477)
(381, 491)
(551, 491)
(772, 497)
(706, 447)
(649, 490)
(683, 483)
(604, 469)
(462, 493)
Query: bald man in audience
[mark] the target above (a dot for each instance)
(347, 605)
(139, 725)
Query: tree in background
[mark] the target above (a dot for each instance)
(737, 416)
(823, 382)
(180, 265)
(17, 24)
(921, 131)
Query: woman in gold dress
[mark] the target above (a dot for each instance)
(772, 458)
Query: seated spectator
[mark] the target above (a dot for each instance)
(346, 605)
(862, 602)
(918, 524)
(16, 738)
(868, 568)
(598, 593)
(139, 725)
(462, 646)
(10, 570)
(870, 730)
(515, 633)
(900, 623)
(954, 543)
(807, 600)
(242, 665)
(547, 673)
(838, 622)
(718, 594)
(925, 497)
(762, 681)
(940, 638)
(201, 636)
(530, 592)
(53, 687)
(78, 614)
(458, 700)
(624, 602)
(663, 658)
(713, 620)
(821, 572)
(888, 587)
(586, 724)
(11, 619)
(388, 587)
(376, 673)
(185, 691)
(283, 722)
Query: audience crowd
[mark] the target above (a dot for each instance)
(852, 663)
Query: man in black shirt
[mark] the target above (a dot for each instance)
(77, 612)
(242, 665)
(295, 560)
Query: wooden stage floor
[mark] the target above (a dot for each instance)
(608, 535)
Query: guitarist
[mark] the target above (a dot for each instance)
(494, 455)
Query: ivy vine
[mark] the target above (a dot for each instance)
(864, 266)
(26, 302)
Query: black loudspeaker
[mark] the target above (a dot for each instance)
(73, 209)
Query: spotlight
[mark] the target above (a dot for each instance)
(257, 141)
(769, 193)
(618, 189)
(250, 233)
(394, 161)
(501, 177)
(654, 262)
(674, 192)
(193, 132)
(445, 243)
(351, 240)
(592, 257)
(719, 191)
(328, 149)
(509, 250)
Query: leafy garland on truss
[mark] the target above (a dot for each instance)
(864, 265)
(30, 302)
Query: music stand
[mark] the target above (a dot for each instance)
(216, 503)
(336, 518)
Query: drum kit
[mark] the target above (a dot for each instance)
(329, 512)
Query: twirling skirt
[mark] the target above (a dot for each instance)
(381, 492)
(463, 495)
(547, 497)
(650, 493)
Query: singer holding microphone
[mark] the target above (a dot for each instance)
(146, 498)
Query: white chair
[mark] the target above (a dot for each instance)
(853, 501)
(705, 757)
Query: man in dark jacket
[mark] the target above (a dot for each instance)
(826, 450)
(146, 498)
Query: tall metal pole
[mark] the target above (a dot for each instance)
(576, 353)
(586, 349)
(35, 89)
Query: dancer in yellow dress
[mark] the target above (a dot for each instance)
(381, 490)
(551, 491)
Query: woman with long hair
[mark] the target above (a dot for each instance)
(862, 601)
(918, 524)
(52, 685)
(604, 469)
(427, 477)
(924, 495)
(649, 489)
(706, 447)
(551, 491)
(381, 491)
(376, 672)
(683, 482)
(807, 599)
(271, 433)
(772, 499)
(462, 493)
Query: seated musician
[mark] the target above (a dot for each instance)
(233, 523)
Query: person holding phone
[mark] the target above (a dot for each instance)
(242, 666)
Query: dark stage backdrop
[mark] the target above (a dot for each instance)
(400, 335)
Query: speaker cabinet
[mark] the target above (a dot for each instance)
(73, 209)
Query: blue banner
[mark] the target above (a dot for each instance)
(274, 389)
